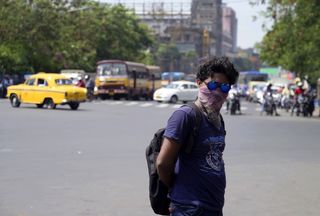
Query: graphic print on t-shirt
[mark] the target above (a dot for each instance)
(213, 159)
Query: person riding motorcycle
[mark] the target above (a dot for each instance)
(268, 97)
(298, 96)
(305, 84)
(90, 87)
(233, 97)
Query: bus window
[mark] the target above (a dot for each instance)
(112, 69)
(248, 76)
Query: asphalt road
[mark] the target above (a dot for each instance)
(91, 162)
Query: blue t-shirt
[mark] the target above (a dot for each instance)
(199, 176)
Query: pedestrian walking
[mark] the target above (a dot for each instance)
(197, 179)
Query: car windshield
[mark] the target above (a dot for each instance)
(172, 86)
(63, 81)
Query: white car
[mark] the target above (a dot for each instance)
(177, 91)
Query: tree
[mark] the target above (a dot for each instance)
(49, 35)
(293, 41)
(122, 36)
(168, 55)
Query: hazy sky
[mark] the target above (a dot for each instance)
(249, 31)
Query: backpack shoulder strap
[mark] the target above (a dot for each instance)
(222, 122)
(198, 118)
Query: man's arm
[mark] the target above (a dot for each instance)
(166, 160)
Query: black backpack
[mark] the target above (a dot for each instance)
(158, 191)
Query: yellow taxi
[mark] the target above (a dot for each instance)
(47, 90)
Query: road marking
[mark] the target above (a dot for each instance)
(176, 106)
(116, 103)
(255, 107)
(162, 105)
(131, 103)
(146, 104)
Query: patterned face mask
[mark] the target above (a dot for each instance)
(212, 101)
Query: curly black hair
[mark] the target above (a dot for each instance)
(217, 65)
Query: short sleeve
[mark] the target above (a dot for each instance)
(179, 125)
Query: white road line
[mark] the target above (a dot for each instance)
(244, 108)
(146, 104)
(162, 105)
(176, 106)
(131, 103)
(258, 109)
(98, 102)
(116, 103)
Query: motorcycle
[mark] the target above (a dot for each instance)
(234, 103)
(287, 103)
(90, 95)
(269, 105)
(304, 105)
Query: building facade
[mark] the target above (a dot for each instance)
(205, 27)
(229, 31)
(207, 15)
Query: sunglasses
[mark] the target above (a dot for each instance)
(213, 85)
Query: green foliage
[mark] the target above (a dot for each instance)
(293, 42)
(168, 56)
(49, 35)
(168, 51)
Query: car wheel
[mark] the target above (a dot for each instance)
(49, 104)
(174, 99)
(104, 97)
(14, 101)
(74, 106)
(40, 105)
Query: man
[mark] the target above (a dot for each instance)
(305, 84)
(90, 87)
(197, 180)
(81, 83)
(234, 94)
(268, 98)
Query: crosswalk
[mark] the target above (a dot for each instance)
(245, 106)
(137, 103)
(153, 104)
